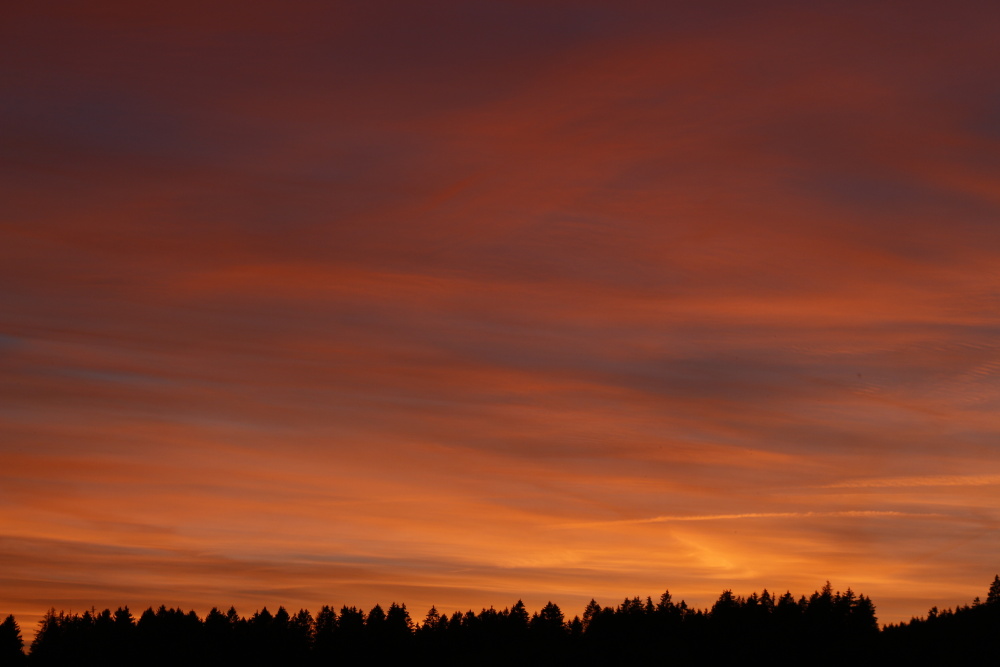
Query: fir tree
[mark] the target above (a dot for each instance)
(11, 643)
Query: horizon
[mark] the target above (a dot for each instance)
(418, 619)
(456, 303)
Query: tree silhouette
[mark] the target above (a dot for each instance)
(591, 613)
(548, 624)
(517, 618)
(993, 596)
(325, 634)
(398, 624)
(47, 645)
(431, 619)
(829, 627)
(11, 642)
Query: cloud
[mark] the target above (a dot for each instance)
(930, 480)
(762, 515)
(370, 300)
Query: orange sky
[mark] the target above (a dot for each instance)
(457, 303)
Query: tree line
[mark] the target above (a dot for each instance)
(825, 628)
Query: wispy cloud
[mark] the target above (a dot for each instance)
(751, 515)
(929, 480)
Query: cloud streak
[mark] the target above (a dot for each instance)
(761, 515)
(932, 480)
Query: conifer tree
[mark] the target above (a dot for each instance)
(397, 621)
(993, 596)
(431, 619)
(46, 642)
(11, 642)
(517, 619)
(591, 612)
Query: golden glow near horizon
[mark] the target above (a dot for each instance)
(461, 304)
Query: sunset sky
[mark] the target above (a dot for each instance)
(456, 303)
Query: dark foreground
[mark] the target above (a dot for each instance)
(826, 628)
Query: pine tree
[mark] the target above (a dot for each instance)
(549, 623)
(431, 619)
(11, 643)
(46, 640)
(376, 617)
(397, 621)
(325, 634)
(517, 619)
(993, 596)
(592, 611)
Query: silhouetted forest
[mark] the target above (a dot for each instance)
(826, 628)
